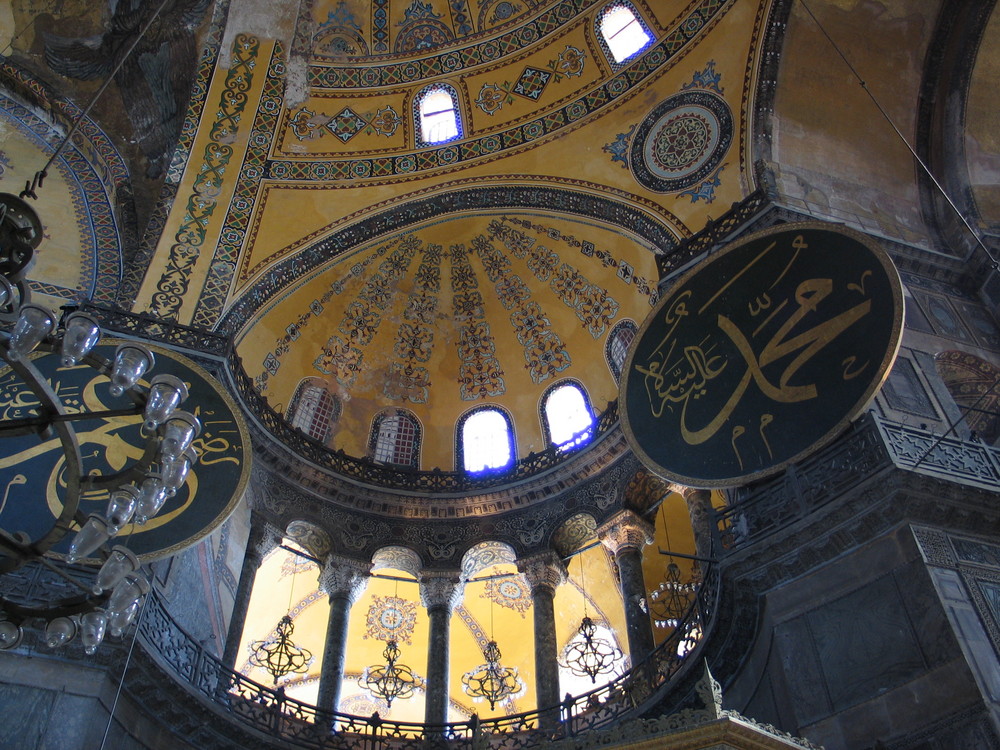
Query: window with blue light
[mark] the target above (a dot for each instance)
(622, 32)
(437, 115)
(569, 421)
(486, 440)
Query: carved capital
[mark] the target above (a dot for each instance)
(442, 589)
(625, 530)
(544, 570)
(263, 538)
(342, 576)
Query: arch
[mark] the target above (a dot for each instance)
(616, 347)
(395, 438)
(567, 416)
(622, 32)
(972, 381)
(397, 558)
(484, 440)
(436, 115)
(309, 537)
(485, 555)
(573, 533)
(314, 409)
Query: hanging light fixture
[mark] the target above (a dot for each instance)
(391, 680)
(588, 655)
(279, 655)
(492, 681)
(673, 596)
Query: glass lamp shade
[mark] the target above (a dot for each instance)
(152, 495)
(174, 471)
(93, 534)
(10, 635)
(92, 627)
(178, 433)
(118, 621)
(166, 392)
(7, 293)
(33, 324)
(121, 506)
(132, 361)
(60, 631)
(128, 592)
(80, 334)
(120, 563)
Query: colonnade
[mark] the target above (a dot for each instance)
(344, 580)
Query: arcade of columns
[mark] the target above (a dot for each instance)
(344, 580)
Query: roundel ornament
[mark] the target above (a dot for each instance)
(761, 354)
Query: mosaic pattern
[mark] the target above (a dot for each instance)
(422, 28)
(340, 34)
(184, 253)
(972, 383)
(391, 618)
(213, 294)
(545, 354)
(619, 147)
(397, 558)
(681, 143)
(409, 381)
(100, 265)
(532, 81)
(411, 213)
(308, 125)
(706, 79)
(574, 533)
(479, 374)
(705, 191)
(486, 555)
(514, 138)
(592, 305)
(512, 592)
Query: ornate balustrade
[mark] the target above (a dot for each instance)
(271, 712)
(872, 445)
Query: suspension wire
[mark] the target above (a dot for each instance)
(128, 659)
(36, 181)
(15, 37)
(994, 263)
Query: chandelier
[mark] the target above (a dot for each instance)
(673, 596)
(391, 680)
(137, 492)
(278, 655)
(492, 681)
(590, 656)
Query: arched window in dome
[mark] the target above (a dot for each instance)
(437, 116)
(617, 346)
(485, 440)
(314, 409)
(567, 416)
(395, 438)
(622, 32)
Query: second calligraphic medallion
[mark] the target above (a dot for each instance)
(761, 354)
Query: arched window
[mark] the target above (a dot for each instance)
(485, 440)
(617, 346)
(568, 419)
(436, 109)
(395, 439)
(314, 410)
(622, 32)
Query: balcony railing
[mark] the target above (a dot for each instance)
(872, 445)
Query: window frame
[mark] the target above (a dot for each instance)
(544, 416)
(418, 115)
(603, 40)
(298, 398)
(373, 438)
(615, 367)
(460, 443)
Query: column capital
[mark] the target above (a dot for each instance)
(441, 589)
(625, 530)
(342, 576)
(695, 493)
(544, 570)
(263, 538)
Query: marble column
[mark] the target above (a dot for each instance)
(440, 594)
(343, 580)
(625, 534)
(262, 539)
(544, 572)
(699, 503)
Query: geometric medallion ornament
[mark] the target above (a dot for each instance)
(682, 141)
(761, 354)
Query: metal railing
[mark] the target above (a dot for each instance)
(271, 712)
